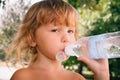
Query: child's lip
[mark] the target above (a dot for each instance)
(63, 50)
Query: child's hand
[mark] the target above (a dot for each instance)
(99, 67)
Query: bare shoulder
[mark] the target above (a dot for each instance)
(21, 74)
(77, 76)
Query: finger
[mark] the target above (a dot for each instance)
(85, 60)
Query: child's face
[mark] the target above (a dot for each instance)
(52, 39)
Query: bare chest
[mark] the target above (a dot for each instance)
(51, 76)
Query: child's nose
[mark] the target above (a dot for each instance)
(65, 38)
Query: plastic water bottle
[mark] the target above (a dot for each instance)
(99, 46)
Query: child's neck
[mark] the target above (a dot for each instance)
(47, 64)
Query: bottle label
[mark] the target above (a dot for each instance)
(96, 48)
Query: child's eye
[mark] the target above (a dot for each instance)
(54, 30)
(70, 31)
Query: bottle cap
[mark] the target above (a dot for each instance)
(61, 56)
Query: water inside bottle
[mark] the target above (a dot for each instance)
(112, 46)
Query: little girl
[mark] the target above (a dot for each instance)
(48, 27)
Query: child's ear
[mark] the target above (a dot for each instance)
(31, 41)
